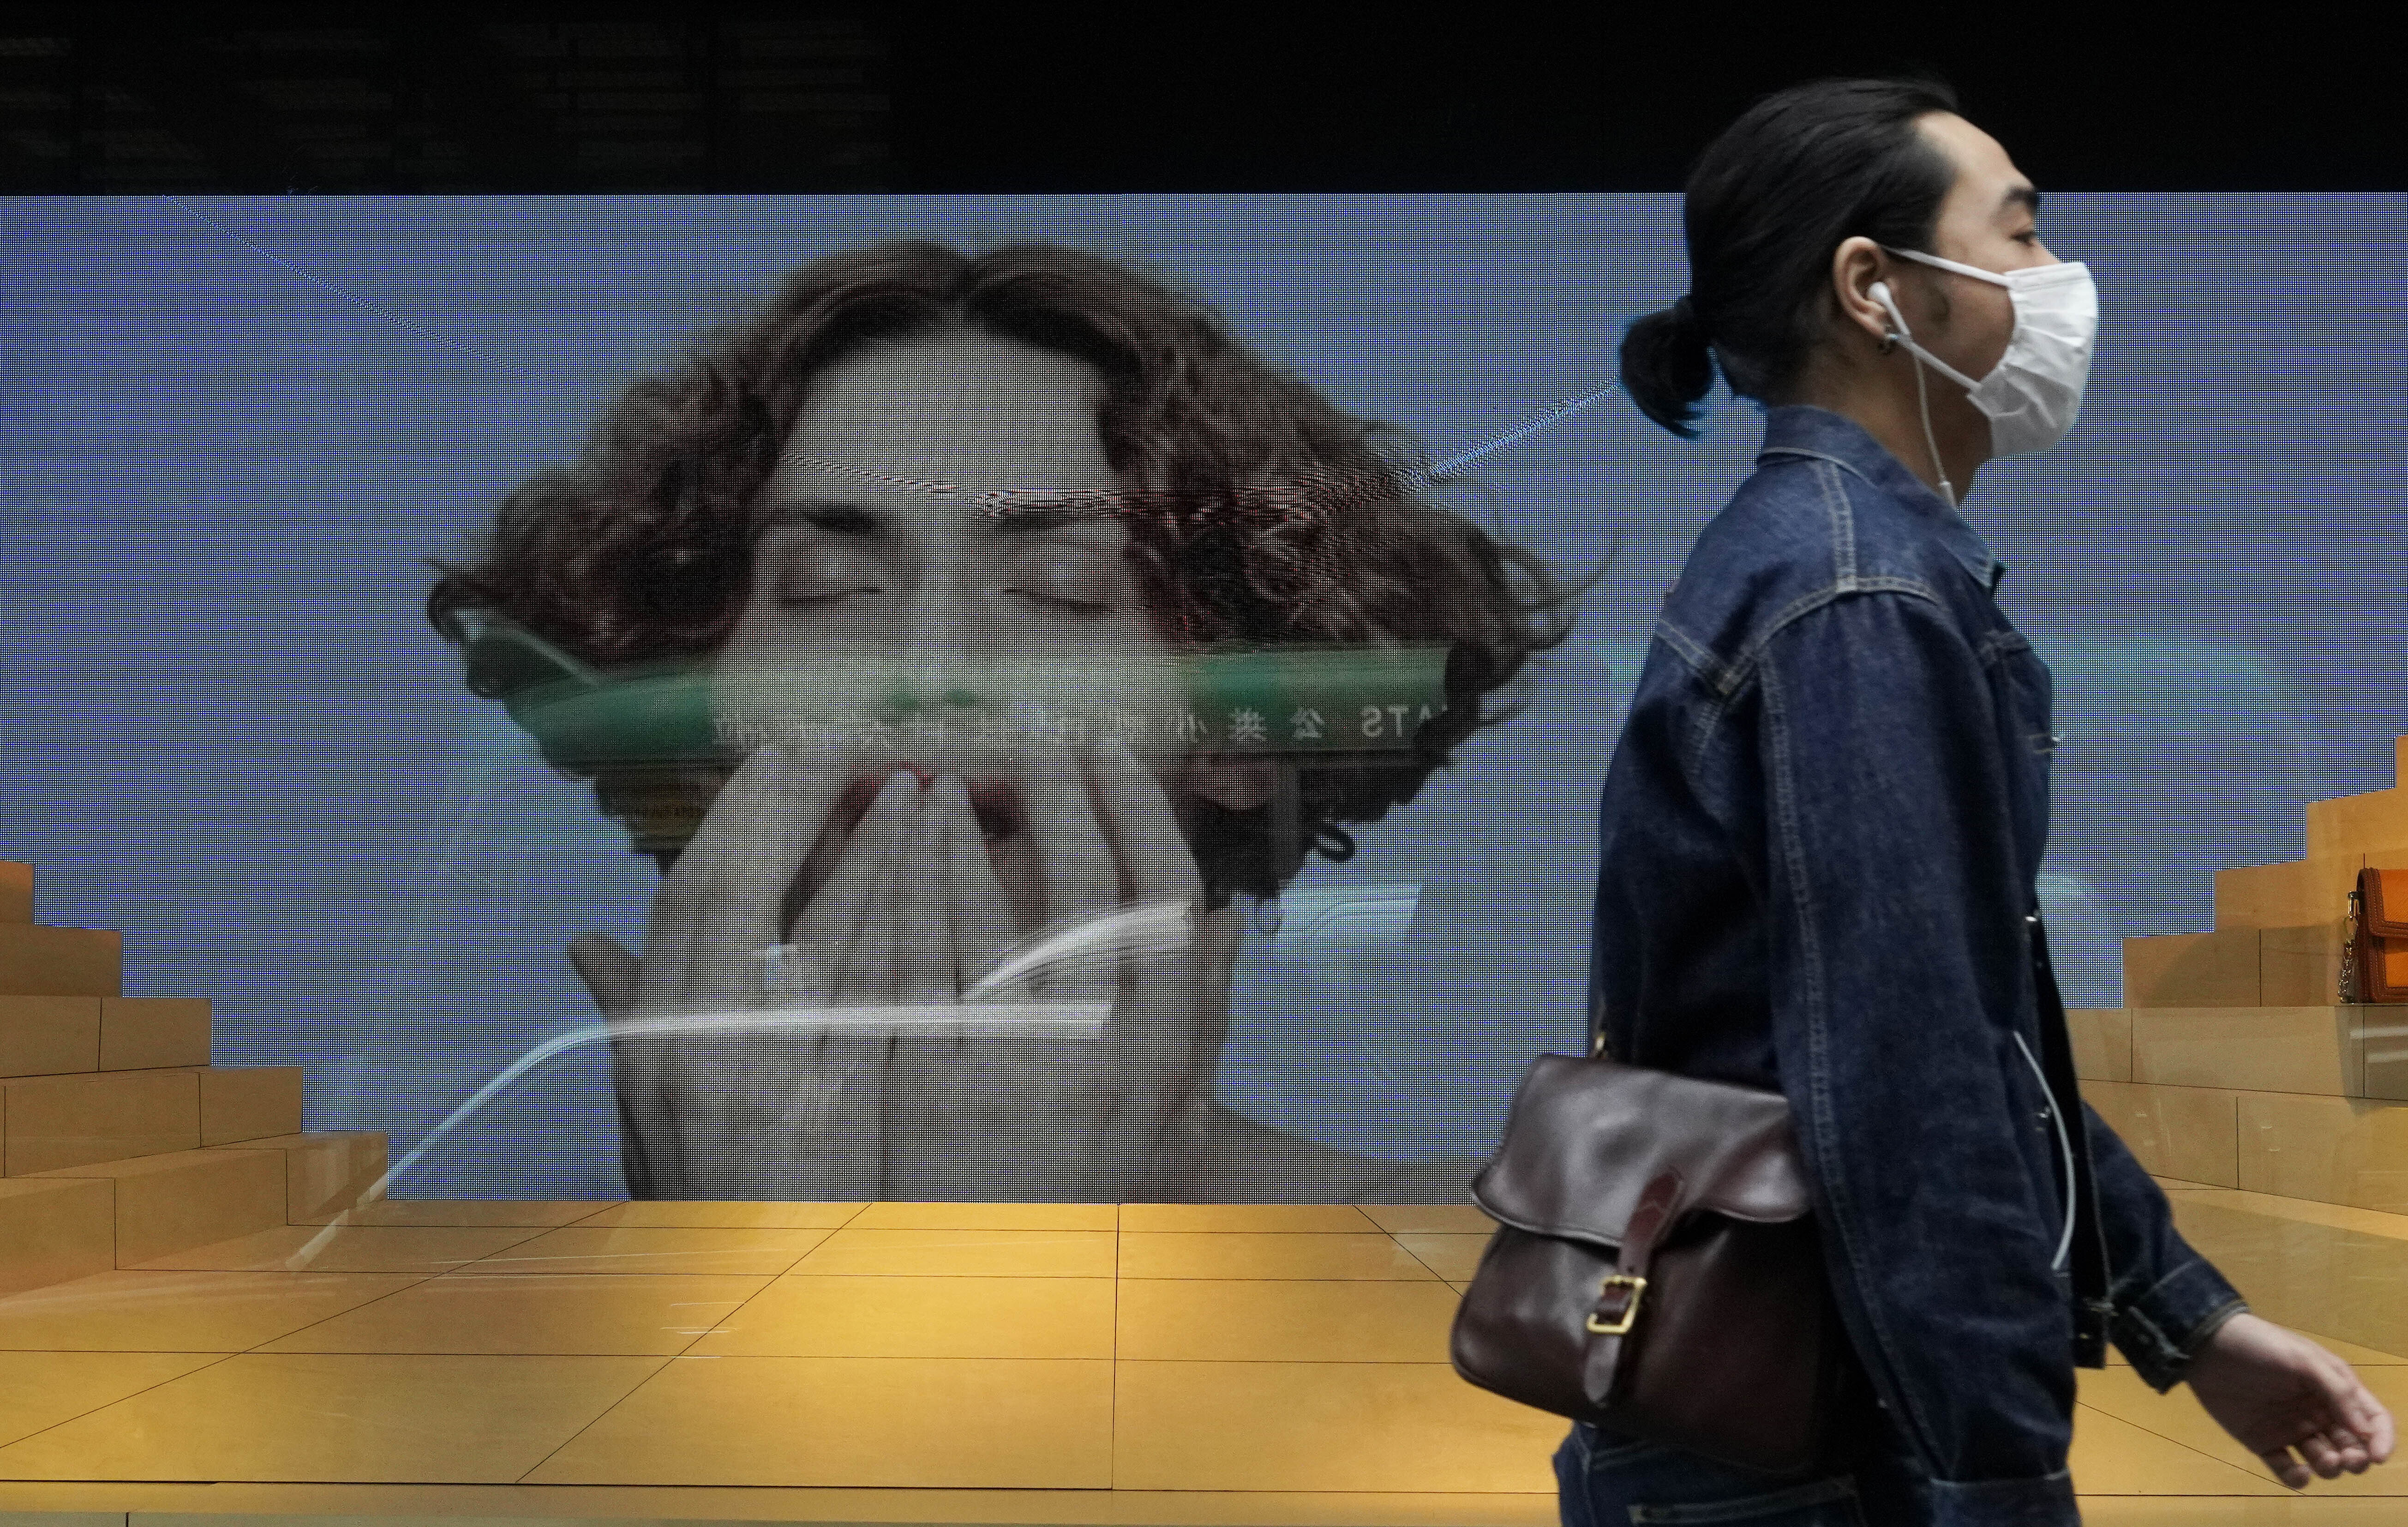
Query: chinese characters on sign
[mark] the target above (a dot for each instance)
(1245, 727)
(1346, 699)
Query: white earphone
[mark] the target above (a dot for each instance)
(1879, 291)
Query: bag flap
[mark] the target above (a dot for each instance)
(2382, 903)
(1586, 1137)
(2387, 973)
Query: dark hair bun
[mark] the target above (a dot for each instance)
(1768, 203)
(1668, 366)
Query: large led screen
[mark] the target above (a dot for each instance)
(1085, 698)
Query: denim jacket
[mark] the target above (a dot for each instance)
(1820, 836)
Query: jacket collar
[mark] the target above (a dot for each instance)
(1799, 430)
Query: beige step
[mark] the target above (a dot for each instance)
(145, 1033)
(248, 1102)
(2384, 1030)
(2333, 1150)
(54, 1229)
(2218, 969)
(2319, 1050)
(2190, 1132)
(16, 892)
(2350, 1151)
(2295, 894)
(2338, 1050)
(185, 1199)
(48, 1122)
(41, 1036)
(2103, 1043)
(58, 962)
(2322, 1048)
(2301, 967)
(328, 1172)
(2359, 824)
(2336, 1272)
(2240, 965)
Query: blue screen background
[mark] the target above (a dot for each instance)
(233, 430)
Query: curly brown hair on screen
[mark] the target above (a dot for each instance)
(642, 550)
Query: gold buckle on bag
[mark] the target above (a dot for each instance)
(1630, 1312)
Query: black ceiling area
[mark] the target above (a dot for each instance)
(854, 98)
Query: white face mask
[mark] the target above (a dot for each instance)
(2033, 395)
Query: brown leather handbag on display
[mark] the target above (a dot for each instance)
(1656, 1272)
(2378, 950)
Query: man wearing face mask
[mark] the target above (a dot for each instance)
(1822, 833)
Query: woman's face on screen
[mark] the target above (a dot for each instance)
(891, 601)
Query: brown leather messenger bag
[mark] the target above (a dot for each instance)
(1656, 1271)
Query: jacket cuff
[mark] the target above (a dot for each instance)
(2161, 1328)
(2043, 1502)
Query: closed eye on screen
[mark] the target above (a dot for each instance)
(1057, 601)
(822, 596)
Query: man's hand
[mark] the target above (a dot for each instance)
(2296, 1405)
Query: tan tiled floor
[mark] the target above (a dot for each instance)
(386, 1416)
(2115, 1456)
(962, 1253)
(882, 1362)
(1103, 1217)
(1444, 1218)
(1452, 1257)
(737, 1251)
(1261, 1217)
(707, 1215)
(174, 1312)
(560, 1314)
(842, 1317)
(964, 1422)
(472, 1212)
(1268, 1254)
(423, 1249)
(1322, 1426)
(39, 1390)
(1201, 1320)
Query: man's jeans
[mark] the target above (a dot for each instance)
(1608, 1480)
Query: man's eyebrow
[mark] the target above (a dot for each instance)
(2023, 196)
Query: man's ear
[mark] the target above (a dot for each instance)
(1857, 265)
(1239, 784)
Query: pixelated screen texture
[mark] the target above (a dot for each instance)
(233, 430)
